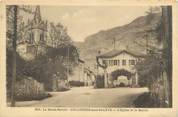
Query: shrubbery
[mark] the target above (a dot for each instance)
(147, 100)
(76, 83)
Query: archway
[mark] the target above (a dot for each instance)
(121, 78)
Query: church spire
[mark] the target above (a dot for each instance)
(37, 16)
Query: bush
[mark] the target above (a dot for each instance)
(146, 100)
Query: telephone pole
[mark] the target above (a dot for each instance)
(114, 42)
(68, 62)
(15, 10)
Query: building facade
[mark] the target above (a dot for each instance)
(81, 74)
(120, 68)
(78, 71)
(33, 40)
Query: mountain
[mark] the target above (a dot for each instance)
(130, 36)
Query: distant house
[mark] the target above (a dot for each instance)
(81, 75)
(120, 67)
(58, 83)
(78, 71)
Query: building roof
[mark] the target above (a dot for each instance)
(118, 52)
(36, 22)
(37, 15)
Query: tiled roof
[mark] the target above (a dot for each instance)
(117, 52)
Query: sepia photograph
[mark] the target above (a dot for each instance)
(89, 56)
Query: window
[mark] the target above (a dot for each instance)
(115, 62)
(131, 62)
(124, 62)
(41, 37)
(31, 38)
(118, 62)
(111, 62)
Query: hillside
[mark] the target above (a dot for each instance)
(130, 36)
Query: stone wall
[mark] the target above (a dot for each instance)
(29, 88)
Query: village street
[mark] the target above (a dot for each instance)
(89, 97)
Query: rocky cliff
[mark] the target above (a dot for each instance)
(131, 36)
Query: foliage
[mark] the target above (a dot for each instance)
(20, 23)
(64, 51)
(150, 13)
(20, 64)
(43, 67)
(58, 35)
(146, 100)
(149, 70)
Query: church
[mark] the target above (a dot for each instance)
(33, 41)
(119, 70)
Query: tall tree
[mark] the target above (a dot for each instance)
(167, 46)
(14, 29)
(15, 10)
(58, 35)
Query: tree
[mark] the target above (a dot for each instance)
(58, 35)
(20, 23)
(44, 67)
(151, 12)
(15, 10)
(167, 46)
(149, 70)
(160, 61)
(13, 33)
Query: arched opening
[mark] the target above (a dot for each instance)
(121, 78)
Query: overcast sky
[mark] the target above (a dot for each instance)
(82, 21)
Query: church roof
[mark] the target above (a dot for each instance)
(36, 22)
(37, 15)
(118, 52)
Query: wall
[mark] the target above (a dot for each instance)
(28, 89)
(78, 73)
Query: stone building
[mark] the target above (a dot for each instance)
(78, 71)
(120, 70)
(34, 37)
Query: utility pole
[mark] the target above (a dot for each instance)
(114, 42)
(68, 64)
(146, 44)
(15, 10)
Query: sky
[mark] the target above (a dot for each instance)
(82, 21)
